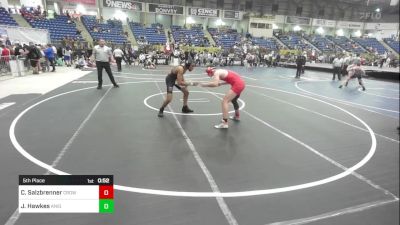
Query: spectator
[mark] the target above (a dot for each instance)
(8, 42)
(67, 56)
(118, 54)
(18, 49)
(50, 56)
(34, 56)
(5, 54)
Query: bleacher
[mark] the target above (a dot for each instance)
(111, 31)
(193, 36)
(367, 43)
(268, 43)
(154, 34)
(392, 43)
(225, 39)
(347, 44)
(321, 43)
(294, 42)
(58, 27)
(6, 19)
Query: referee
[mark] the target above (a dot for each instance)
(103, 55)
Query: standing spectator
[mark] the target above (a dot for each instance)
(346, 63)
(50, 56)
(304, 59)
(59, 53)
(34, 56)
(18, 49)
(67, 56)
(54, 51)
(118, 54)
(102, 55)
(142, 58)
(5, 57)
(8, 42)
(299, 65)
(43, 62)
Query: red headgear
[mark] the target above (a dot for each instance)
(210, 71)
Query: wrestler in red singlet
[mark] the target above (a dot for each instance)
(237, 86)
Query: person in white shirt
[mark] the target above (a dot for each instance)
(346, 62)
(103, 56)
(337, 65)
(54, 51)
(118, 54)
(67, 56)
(142, 58)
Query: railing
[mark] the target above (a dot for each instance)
(14, 65)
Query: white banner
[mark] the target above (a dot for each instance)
(349, 25)
(269, 18)
(32, 3)
(298, 20)
(26, 35)
(3, 33)
(323, 23)
(204, 12)
(382, 26)
(4, 3)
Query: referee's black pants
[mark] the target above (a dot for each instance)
(106, 66)
(337, 70)
(298, 71)
(119, 61)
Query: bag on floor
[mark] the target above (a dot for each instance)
(60, 62)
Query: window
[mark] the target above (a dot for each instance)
(261, 26)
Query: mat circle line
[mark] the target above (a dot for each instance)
(145, 101)
(343, 174)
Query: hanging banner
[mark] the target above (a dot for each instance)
(3, 33)
(349, 25)
(26, 35)
(228, 14)
(4, 4)
(31, 3)
(84, 2)
(165, 9)
(323, 23)
(381, 26)
(298, 20)
(71, 7)
(121, 4)
(204, 12)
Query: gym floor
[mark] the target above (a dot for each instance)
(304, 152)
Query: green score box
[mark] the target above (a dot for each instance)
(106, 206)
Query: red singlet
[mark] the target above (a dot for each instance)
(235, 81)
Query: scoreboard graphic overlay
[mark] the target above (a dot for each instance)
(66, 194)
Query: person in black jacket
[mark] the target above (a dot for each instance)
(299, 65)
